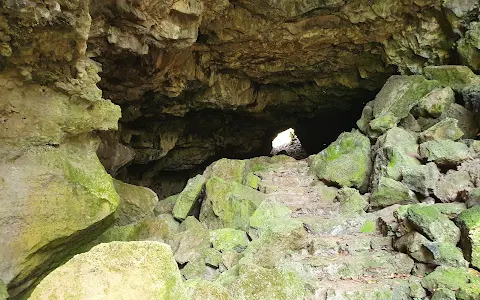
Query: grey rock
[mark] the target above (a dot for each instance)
(434, 225)
(445, 152)
(450, 185)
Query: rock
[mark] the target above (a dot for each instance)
(456, 77)
(466, 119)
(192, 241)
(447, 129)
(229, 204)
(413, 244)
(472, 167)
(346, 162)
(473, 198)
(444, 152)
(394, 150)
(471, 97)
(201, 289)
(416, 288)
(464, 283)
(435, 102)
(446, 254)
(451, 210)
(453, 183)
(229, 239)
(351, 201)
(197, 268)
(166, 205)
(397, 97)
(431, 223)
(410, 123)
(389, 192)
(3, 291)
(143, 270)
(426, 123)
(227, 169)
(188, 197)
(255, 282)
(51, 194)
(112, 153)
(136, 202)
(469, 222)
(268, 214)
(443, 294)
(468, 46)
(421, 178)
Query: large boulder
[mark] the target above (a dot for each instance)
(421, 178)
(456, 77)
(136, 202)
(389, 192)
(445, 152)
(394, 102)
(117, 270)
(188, 197)
(446, 129)
(435, 102)
(463, 282)
(434, 225)
(346, 162)
(469, 222)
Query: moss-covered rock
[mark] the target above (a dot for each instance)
(469, 222)
(227, 169)
(435, 102)
(473, 198)
(60, 198)
(466, 119)
(192, 240)
(3, 291)
(255, 282)
(413, 244)
(463, 282)
(444, 294)
(166, 205)
(187, 198)
(421, 178)
(229, 204)
(468, 46)
(456, 77)
(346, 162)
(201, 289)
(351, 201)
(446, 254)
(397, 97)
(446, 129)
(117, 270)
(434, 225)
(444, 152)
(450, 186)
(229, 239)
(268, 214)
(136, 202)
(389, 192)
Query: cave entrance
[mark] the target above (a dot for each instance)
(287, 143)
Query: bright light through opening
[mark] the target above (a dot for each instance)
(283, 138)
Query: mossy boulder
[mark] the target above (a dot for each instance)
(469, 46)
(446, 129)
(227, 169)
(456, 77)
(351, 201)
(462, 281)
(166, 205)
(413, 244)
(421, 178)
(443, 294)
(389, 192)
(54, 194)
(394, 150)
(473, 198)
(3, 291)
(445, 152)
(453, 184)
(469, 222)
(435, 102)
(394, 102)
(268, 214)
(434, 225)
(136, 202)
(201, 289)
(229, 239)
(466, 120)
(229, 204)
(187, 198)
(346, 162)
(446, 254)
(191, 241)
(117, 270)
(255, 282)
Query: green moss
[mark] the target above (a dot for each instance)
(368, 227)
(465, 283)
(228, 239)
(3, 291)
(471, 217)
(252, 181)
(456, 77)
(200, 289)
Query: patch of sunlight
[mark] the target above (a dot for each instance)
(283, 138)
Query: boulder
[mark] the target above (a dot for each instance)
(346, 162)
(450, 186)
(389, 192)
(446, 254)
(394, 102)
(227, 169)
(445, 152)
(469, 222)
(456, 77)
(229, 204)
(413, 244)
(431, 223)
(421, 178)
(201, 289)
(229, 239)
(166, 205)
(464, 283)
(136, 202)
(394, 150)
(188, 197)
(410, 123)
(117, 270)
(191, 241)
(3, 291)
(443, 294)
(468, 46)
(473, 198)
(351, 201)
(446, 129)
(435, 102)
(466, 120)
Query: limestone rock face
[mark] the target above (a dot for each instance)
(117, 270)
